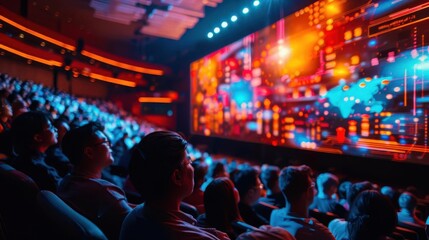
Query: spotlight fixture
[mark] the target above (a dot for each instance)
(216, 30)
(210, 35)
(234, 18)
(245, 10)
(256, 3)
(224, 24)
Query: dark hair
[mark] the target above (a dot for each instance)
(75, 141)
(200, 171)
(371, 216)
(24, 127)
(153, 160)
(245, 180)
(343, 189)
(325, 181)
(216, 169)
(269, 176)
(294, 181)
(220, 204)
(357, 188)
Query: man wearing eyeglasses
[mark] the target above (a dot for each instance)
(104, 203)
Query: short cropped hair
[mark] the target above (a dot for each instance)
(75, 141)
(153, 161)
(326, 181)
(24, 127)
(270, 176)
(245, 180)
(357, 188)
(408, 201)
(294, 181)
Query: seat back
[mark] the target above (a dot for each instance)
(17, 203)
(416, 228)
(324, 218)
(189, 209)
(407, 233)
(264, 210)
(59, 221)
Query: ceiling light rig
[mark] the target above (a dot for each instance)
(233, 19)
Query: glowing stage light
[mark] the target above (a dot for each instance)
(210, 35)
(245, 10)
(224, 24)
(216, 30)
(234, 18)
(372, 43)
(256, 3)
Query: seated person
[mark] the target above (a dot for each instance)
(216, 170)
(100, 201)
(32, 134)
(54, 155)
(407, 214)
(298, 189)
(266, 232)
(197, 197)
(221, 204)
(162, 173)
(327, 185)
(249, 186)
(343, 190)
(270, 179)
(372, 216)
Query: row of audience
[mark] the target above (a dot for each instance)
(231, 203)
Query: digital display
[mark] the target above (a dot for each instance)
(339, 76)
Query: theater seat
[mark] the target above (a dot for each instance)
(17, 203)
(407, 233)
(324, 218)
(416, 228)
(264, 210)
(59, 221)
(189, 209)
(241, 227)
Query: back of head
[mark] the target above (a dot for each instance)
(217, 169)
(343, 189)
(295, 181)
(200, 171)
(74, 141)
(325, 182)
(24, 127)
(371, 216)
(407, 201)
(270, 176)
(357, 188)
(245, 180)
(220, 204)
(153, 160)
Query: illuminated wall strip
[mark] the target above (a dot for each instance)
(155, 100)
(122, 65)
(31, 57)
(39, 35)
(112, 80)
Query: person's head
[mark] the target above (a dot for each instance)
(296, 184)
(33, 131)
(357, 188)
(19, 106)
(160, 168)
(343, 189)
(248, 185)
(372, 216)
(407, 201)
(217, 169)
(200, 171)
(270, 177)
(327, 184)
(63, 127)
(87, 147)
(221, 204)
(5, 109)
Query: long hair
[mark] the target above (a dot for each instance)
(221, 205)
(371, 216)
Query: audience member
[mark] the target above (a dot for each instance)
(162, 173)
(249, 186)
(298, 189)
(197, 197)
(372, 217)
(407, 213)
(266, 232)
(343, 191)
(221, 204)
(103, 203)
(217, 169)
(327, 185)
(32, 134)
(54, 155)
(270, 179)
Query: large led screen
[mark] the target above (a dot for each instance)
(339, 76)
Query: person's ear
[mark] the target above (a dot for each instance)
(88, 152)
(38, 138)
(176, 177)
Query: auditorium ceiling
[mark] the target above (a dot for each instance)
(160, 31)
